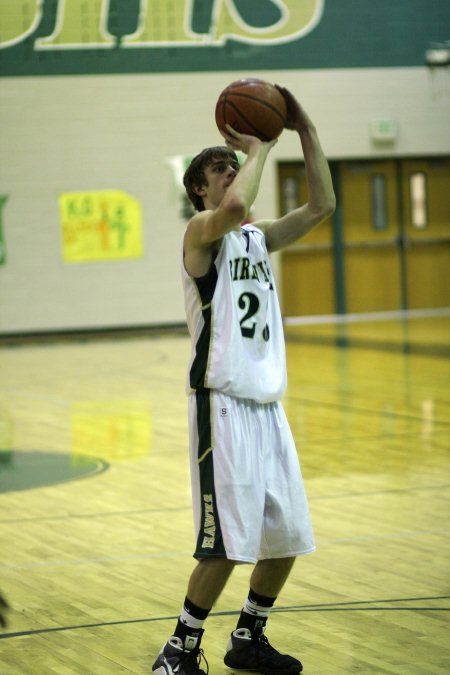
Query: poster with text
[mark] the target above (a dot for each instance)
(103, 225)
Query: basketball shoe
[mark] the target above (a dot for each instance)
(253, 652)
(178, 659)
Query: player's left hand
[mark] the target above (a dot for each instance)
(297, 118)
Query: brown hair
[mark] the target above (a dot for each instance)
(194, 176)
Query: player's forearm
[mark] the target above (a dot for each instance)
(321, 198)
(245, 186)
(239, 197)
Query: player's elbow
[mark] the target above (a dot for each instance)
(235, 210)
(325, 208)
(230, 214)
(329, 207)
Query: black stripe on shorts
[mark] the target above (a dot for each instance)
(206, 287)
(209, 541)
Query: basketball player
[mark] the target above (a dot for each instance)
(249, 500)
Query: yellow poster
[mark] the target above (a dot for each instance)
(104, 225)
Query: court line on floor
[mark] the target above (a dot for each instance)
(383, 537)
(367, 493)
(362, 410)
(405, 347)
(358, 317)
(406, 534)
(104, 514)
(348, 606)
(363, 602)
(95, 561)
(437, 435)
(168, 509)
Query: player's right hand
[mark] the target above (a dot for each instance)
(245, 142)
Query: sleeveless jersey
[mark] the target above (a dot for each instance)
(234, 320)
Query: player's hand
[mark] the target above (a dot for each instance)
(244, 142)
(297, 118)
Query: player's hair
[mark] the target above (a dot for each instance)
(195, 173)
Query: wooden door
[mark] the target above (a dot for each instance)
(426, 198)
(307, 265)
(387, 248)
(370, 230)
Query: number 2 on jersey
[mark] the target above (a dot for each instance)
(250, 303)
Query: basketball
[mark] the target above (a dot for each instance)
(252, 106)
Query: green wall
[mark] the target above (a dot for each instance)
(50, 37)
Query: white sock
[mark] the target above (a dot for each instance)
(190, 620)
(252, 608)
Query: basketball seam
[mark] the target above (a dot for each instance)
(260, 101)
(244, 118)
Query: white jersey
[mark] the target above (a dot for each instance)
(234, 319)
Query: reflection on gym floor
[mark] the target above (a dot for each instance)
(96, 525)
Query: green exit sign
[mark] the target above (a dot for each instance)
(383, 130)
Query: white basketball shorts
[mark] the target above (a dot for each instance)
(247, 488)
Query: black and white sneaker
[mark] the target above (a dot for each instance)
(175, 659)
(253, 652)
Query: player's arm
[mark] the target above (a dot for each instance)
(206, 229)
(321, 199)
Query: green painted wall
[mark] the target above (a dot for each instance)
(49, 37)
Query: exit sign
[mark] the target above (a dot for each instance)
(383, 130)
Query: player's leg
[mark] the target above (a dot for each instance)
(266, 582)
(208, 580)
(181, 653)
(182, 650)
(286, 534)
(248, 648)
(269, 576)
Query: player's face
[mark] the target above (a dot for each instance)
(219, 176)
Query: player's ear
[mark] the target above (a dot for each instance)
(199, 190)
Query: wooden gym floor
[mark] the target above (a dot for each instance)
(96, 529)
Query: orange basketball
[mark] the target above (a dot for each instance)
(252, 106)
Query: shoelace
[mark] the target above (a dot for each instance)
(264, 644)
(193, 659)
